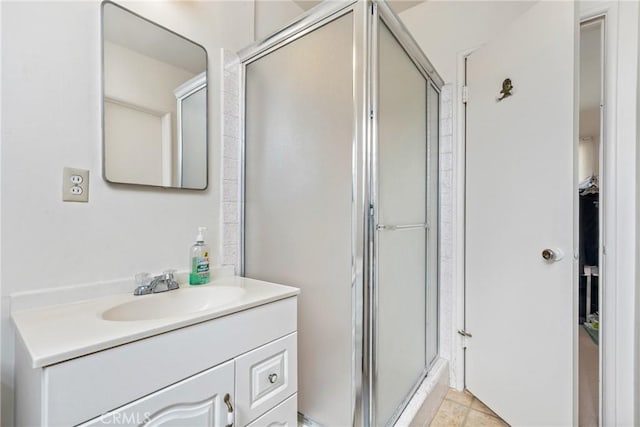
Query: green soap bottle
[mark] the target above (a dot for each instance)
(199, 260)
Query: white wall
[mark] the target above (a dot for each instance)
(140, 87)
(588, 157)
(443, 29)
(620, 206)
(51, 119)
(51, 104)
(271, 15)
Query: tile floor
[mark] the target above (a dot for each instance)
(462, 409)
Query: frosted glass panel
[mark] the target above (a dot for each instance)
(299, 133)
(402, 135)
(401, 318)
(194, 130)
(402, 187)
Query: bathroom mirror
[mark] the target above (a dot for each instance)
(154, 103)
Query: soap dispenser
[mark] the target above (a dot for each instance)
(199, 260)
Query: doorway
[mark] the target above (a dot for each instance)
(590, 149)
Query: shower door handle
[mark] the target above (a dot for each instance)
(382, 227)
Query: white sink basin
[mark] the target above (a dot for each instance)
(173, 303)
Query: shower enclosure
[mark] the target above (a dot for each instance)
(340, 198)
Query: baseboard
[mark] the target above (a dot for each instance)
(425, 402)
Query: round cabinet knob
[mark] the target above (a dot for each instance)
(273, 378)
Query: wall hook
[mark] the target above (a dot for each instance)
(507, 87)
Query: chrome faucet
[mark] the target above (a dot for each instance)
(161, 283)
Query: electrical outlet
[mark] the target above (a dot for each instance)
(75, 185)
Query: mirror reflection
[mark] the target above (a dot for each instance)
(154, 103)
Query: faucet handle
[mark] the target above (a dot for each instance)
(169, 274)
(169, 277)
(142, 278)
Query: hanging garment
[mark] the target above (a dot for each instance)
(589, 229)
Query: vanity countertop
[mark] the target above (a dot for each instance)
(61, 332)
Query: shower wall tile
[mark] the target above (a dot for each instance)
(231, 255)
(230, 76)
(231, 233)
(231, 168)
(231, 148)
(446, 161)
(230, 190)
(230, 214)
(446, 112)
(447, 213)
(446, 126)
(445, 94)
(230, 124)
(231, 161)
(231, 106)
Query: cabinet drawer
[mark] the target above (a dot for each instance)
(265, 377)
(283, 415)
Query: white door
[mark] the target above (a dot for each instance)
(198, 401)
(520, 201)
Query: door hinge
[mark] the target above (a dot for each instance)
(465, 94)
(465, 337)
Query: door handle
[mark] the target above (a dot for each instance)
(230, 415)
(382, 227)
(552, 255)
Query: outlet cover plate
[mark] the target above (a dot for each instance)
(75, 185)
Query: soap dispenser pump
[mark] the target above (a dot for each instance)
(199, 260)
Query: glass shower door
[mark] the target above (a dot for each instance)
(402, 241)
(298, 202)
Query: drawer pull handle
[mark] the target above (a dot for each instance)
(227, 400)
(273, 378)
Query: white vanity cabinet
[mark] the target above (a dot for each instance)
(175, 378)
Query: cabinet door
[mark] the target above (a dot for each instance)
(196, 401)
(283, 415)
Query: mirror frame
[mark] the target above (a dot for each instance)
(102, 101)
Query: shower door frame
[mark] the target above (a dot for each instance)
(319, 16)
(366, 14)
(382, 13)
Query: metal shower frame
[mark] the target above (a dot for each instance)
(366, 14)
